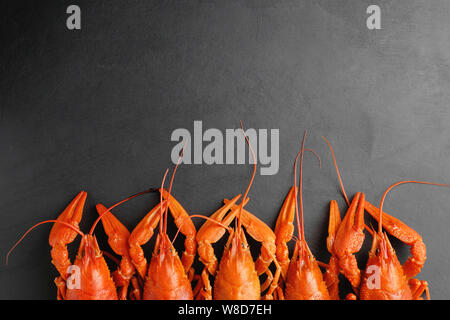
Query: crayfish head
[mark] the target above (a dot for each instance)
(304, 278)
(238, 244)
(89, 249)
(384, 252)
(164, 246)
(90, 274)
(383, 277)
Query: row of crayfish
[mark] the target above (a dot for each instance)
(296, 275)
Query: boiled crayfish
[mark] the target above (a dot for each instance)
(237, 275)
(302, 278)
(384, 276)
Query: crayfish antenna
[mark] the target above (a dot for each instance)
(91, 232)
(36, 225)
(341, 185)
(230, 230)
(162, 211)
(337, 171)
(136, 195)
(180, 156)
(298, 197)
(299, 190)
(316, 154)
(241, 205)
(380, 222)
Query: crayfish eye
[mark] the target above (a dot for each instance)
(243, 246)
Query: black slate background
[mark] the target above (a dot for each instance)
(94, 109)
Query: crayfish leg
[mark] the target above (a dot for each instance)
(418, 288)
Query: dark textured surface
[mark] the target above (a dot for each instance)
(94, 109)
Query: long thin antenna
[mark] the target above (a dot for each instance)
(180, 156)
(117, 204)
(300, 190)
(38, 224)
(230, 230)
(337, 171)
(241, 206)
(380, 223)
(161, 211)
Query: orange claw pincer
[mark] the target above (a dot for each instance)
(349, 238)
(118, 236)
(331, 276)
(62, 235)
(284, 230)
